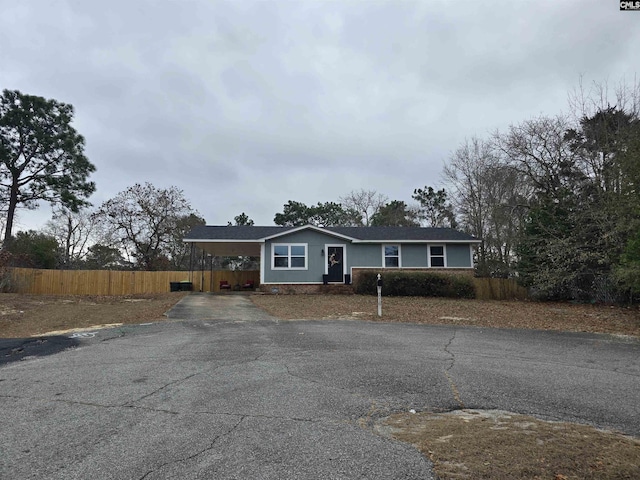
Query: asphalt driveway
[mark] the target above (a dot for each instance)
(229, 395)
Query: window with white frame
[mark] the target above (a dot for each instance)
(391, 255)
(289, 256)
(436, 255)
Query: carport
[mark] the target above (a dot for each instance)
(225, 241)
(226, 249)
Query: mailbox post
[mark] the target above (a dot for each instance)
(379, 295)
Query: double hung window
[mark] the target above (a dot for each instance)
(436, 255)
(290, 256)
(391, 256)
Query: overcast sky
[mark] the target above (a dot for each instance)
(245, 105)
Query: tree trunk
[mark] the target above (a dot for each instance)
(11, 210)
(67, 243)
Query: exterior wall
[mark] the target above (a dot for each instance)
(458, 255)
(316, 261)
(365, 255)
(356, 256)
(414, 256)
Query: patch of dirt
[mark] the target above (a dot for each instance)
(473, 444)
(445, 311)
(24, 316)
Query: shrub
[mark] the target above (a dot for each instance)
(415, 284)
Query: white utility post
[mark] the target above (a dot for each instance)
(379, 295)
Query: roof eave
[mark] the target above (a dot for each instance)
(324, 231)
(432, 240)
(221, 240)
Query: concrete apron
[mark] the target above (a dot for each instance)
(207, 306)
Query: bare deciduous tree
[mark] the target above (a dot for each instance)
(538, 149)
(73, 232)
(489, 198)
(365, 202)
(143, 220)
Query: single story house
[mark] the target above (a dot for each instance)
(312, 256)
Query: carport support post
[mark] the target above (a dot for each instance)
(202, 264)
(379, 295)
(191, 262)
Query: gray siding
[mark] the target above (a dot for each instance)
(356, 255)
(414, 256)
(458, 256)
(365, 256)
(316, 242)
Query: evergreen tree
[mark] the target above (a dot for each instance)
(41, 156)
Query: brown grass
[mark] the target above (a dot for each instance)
(499, 445)
(28, 315)
(444, 311)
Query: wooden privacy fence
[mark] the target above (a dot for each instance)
(499, 289)
(115, 282)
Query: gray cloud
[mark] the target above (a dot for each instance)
(246, 105)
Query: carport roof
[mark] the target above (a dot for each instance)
(242, 233)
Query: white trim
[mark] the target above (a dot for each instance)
(384, 257)
(221, 240)
(262, 262)
(289, 245)
(407, 268)
(444, 255)
(326, 232)
(309, 227)
(395, 242)
(292, 283)
(344, 259)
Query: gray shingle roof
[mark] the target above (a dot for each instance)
(402, 233)
(246, 233)
(214, 232)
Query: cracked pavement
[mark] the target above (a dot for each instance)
(244, 396)
(452, 362)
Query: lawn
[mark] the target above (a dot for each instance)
(445, 311)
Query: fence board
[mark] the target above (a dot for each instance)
(115, 282)
(499, 289)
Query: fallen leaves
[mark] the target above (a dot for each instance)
(479, 313)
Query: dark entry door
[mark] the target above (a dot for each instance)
(335, 264)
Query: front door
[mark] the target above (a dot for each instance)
(335, 264)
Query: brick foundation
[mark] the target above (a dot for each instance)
(308, 289)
